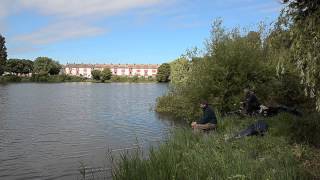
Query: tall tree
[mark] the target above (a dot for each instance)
(45, 65)
(19, 66)
(27, 66)
(3, 54)
(96, 74)
(163, 73)
(304, 23)
(106, 74)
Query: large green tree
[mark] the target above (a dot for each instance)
(163, 74)
(45, 65)
(105, 74)
(304, 24)
(19, 66)
(3, 54)
(96, 74)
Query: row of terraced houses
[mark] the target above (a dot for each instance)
(84, 70)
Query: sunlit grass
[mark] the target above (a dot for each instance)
(187, 155)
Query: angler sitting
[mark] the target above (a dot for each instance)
(251, 104)
(208, 121)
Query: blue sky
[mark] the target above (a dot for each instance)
(121, 31)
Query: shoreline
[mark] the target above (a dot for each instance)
(67, 79)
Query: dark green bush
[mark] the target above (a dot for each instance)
(40, 77)
(56, 78)
(306, 130)
(10, 78)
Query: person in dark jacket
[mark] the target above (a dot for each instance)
(208, 121)
(251, 104)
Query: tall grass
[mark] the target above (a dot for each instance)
(189, 155)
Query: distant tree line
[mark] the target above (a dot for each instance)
(42, 67)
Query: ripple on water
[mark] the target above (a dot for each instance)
(46, 130)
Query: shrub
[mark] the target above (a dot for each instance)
(306, 130)
(163, 73)
(40, 77)
(135, 78)
(105, 75)
(96, 74)
(10, 78)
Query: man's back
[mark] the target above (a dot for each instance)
(208, 116)
(251, 104)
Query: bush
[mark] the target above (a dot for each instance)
(10, 78)
(105, 75)
(163, 73)
(40, 77)
(234, 61)
(306, 130)
(96, 74)
(117, 78)
(56, 78)
(135, 78)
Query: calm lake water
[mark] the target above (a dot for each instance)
(48, 130)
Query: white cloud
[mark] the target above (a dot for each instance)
(60, 31)
(77, 8)
(8, 7)
(70, 19)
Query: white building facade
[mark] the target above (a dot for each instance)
(84, 70)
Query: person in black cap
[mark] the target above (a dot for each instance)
(251, 104)
(208, 121)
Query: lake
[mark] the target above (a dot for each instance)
(48, 130)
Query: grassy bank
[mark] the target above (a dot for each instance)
(68, 78)
(37, 78)
(211, 156)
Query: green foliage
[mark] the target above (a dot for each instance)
(55, 78)
(301, 17)
(187, 155)
(19, 66)
(235, 60)
(179, 72)
(2, 69)
(3, 54)
(135, 78)
(40, 77)
(96, 74)
(106, 74)
(306, 130)
(9, 78)
(45, 65)
(163, 74)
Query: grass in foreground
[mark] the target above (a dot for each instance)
(209, 156)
